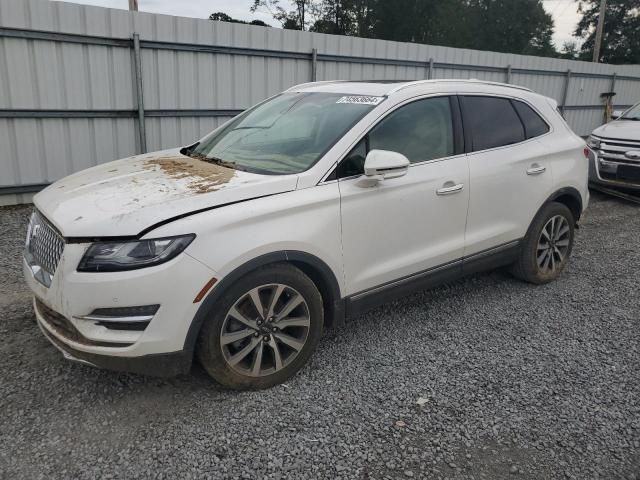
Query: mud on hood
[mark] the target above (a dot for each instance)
(125, 197)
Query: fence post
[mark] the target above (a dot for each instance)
(613, 82)
(137, 59)
(508, 74)
(565, 91)
(430, 69)
(314, 64)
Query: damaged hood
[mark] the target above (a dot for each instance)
(620, 130)
(125, 197)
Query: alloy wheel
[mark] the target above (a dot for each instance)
(553, 244)
(265, 330)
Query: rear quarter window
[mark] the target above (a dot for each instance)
(534, 125)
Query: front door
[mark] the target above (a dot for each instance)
(407, 225)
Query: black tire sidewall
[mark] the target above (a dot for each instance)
(529, 266)
(208, 348)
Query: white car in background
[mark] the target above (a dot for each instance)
(616, 145)
(313, 206)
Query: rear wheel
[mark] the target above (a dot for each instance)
(547, 245)
(263, 330)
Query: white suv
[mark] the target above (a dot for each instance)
(311, 207)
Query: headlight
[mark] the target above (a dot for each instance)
(593, 142)
(130, 255)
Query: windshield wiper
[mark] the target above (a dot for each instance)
(250, 128)
(218, 161)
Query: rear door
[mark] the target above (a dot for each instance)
(509, 176)
(407, 225)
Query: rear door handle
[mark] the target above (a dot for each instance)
(450, 188)
(536, 169)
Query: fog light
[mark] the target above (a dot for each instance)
(122, 318)
(141, 311)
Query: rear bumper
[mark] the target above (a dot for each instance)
(160, 365)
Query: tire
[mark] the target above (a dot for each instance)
(539, 265)
(238, 335)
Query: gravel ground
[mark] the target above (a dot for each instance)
(484, 378)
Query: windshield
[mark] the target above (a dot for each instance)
(632, 114)
(286, 134)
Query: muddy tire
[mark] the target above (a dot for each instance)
(263, 329)
(547, 245)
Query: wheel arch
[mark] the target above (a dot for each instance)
(571, 198)
(316, 269)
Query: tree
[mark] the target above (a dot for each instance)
(621, 33)
(296, 19)
(570, 51)
(259, 23)
(332, 16)
(403, 20)
(512, 26)
(223, 17)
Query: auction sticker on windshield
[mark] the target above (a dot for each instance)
(361, 100)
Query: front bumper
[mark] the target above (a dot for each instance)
(159, 365)
(613, 174)
(159, 349)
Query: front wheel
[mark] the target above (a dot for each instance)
(263, 330)
(547, 245)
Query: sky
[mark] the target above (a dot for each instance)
(564, 12)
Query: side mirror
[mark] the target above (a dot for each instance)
(616, 114)
(383, 165)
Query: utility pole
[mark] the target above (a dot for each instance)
(133, 5)
(599, 28)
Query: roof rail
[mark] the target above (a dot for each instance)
(472, 80)
(307, 84)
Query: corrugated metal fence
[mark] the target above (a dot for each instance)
(82, 85)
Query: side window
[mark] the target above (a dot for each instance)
(534, 126)
(422, 130)
(493, 122)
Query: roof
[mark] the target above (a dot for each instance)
(385, 87)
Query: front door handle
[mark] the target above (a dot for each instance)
(536, 169)
(450, 188)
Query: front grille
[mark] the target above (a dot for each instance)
(614, 150)
(66, 329)
(44, 243)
